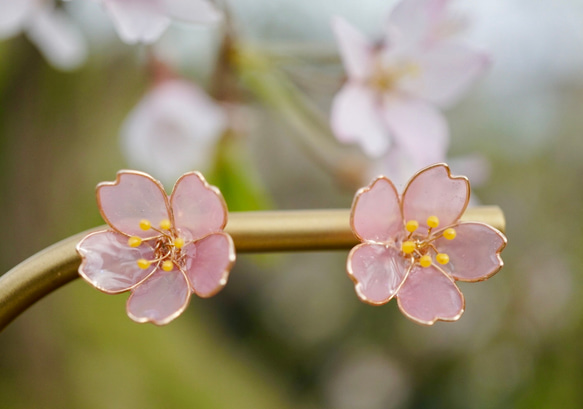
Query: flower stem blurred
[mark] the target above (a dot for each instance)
(275, 90)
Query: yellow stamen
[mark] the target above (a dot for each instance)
(143, 263)
(165, 224)
(433, 221)
(134, 241)
(145, 224)
(449, 233)
(442, 258)
(408, 247)
(179, 242)
(425, 260)
(167, 265)
(412, 225)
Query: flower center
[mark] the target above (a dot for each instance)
(385, 78)
(420, 248)
(167, 246)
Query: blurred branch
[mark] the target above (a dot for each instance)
(274, 90)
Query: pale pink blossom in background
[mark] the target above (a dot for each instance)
(414, 246)
(144, 21)
(173, 129)
(49, 28)
(396, 87)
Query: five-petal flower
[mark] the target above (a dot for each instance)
(415, 247)
(394, 88)
(160, 248)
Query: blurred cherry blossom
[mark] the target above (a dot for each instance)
(395, 88)
(144, 21)
(173, 129)
(50, 29)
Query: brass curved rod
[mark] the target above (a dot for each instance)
(271, 231)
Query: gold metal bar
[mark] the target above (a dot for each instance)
(301, 230)
(271, 231)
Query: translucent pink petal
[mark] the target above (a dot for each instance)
(376, 212)
(446, 71)
(198, 207)
(356, 51)
(138, 20)
(194, 11)
(428, 295)
(159, 299)
(377, 272)
(474, 254)
(109, 263)
(417, 127)
(356, 118)
(132, 197)
(209, 262)
(433, 192)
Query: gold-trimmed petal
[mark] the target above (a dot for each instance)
(378, 271)
(429, 295)
(433, 191)
(474, 255)
(131, 198)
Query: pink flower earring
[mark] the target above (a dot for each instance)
(414, 246)
(161, 248)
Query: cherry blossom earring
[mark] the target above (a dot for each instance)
(414, 246)
(161, 248)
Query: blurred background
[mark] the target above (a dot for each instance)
(288, 330)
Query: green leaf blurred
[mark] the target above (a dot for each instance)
(236, 176)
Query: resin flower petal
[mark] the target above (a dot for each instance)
(197, 206)
(209, 262)
(159, 299)
(377, 272)
(428, 295)
(474, 255)
(133, 197)
(381, 200)
(109, 263)
(434, 192)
